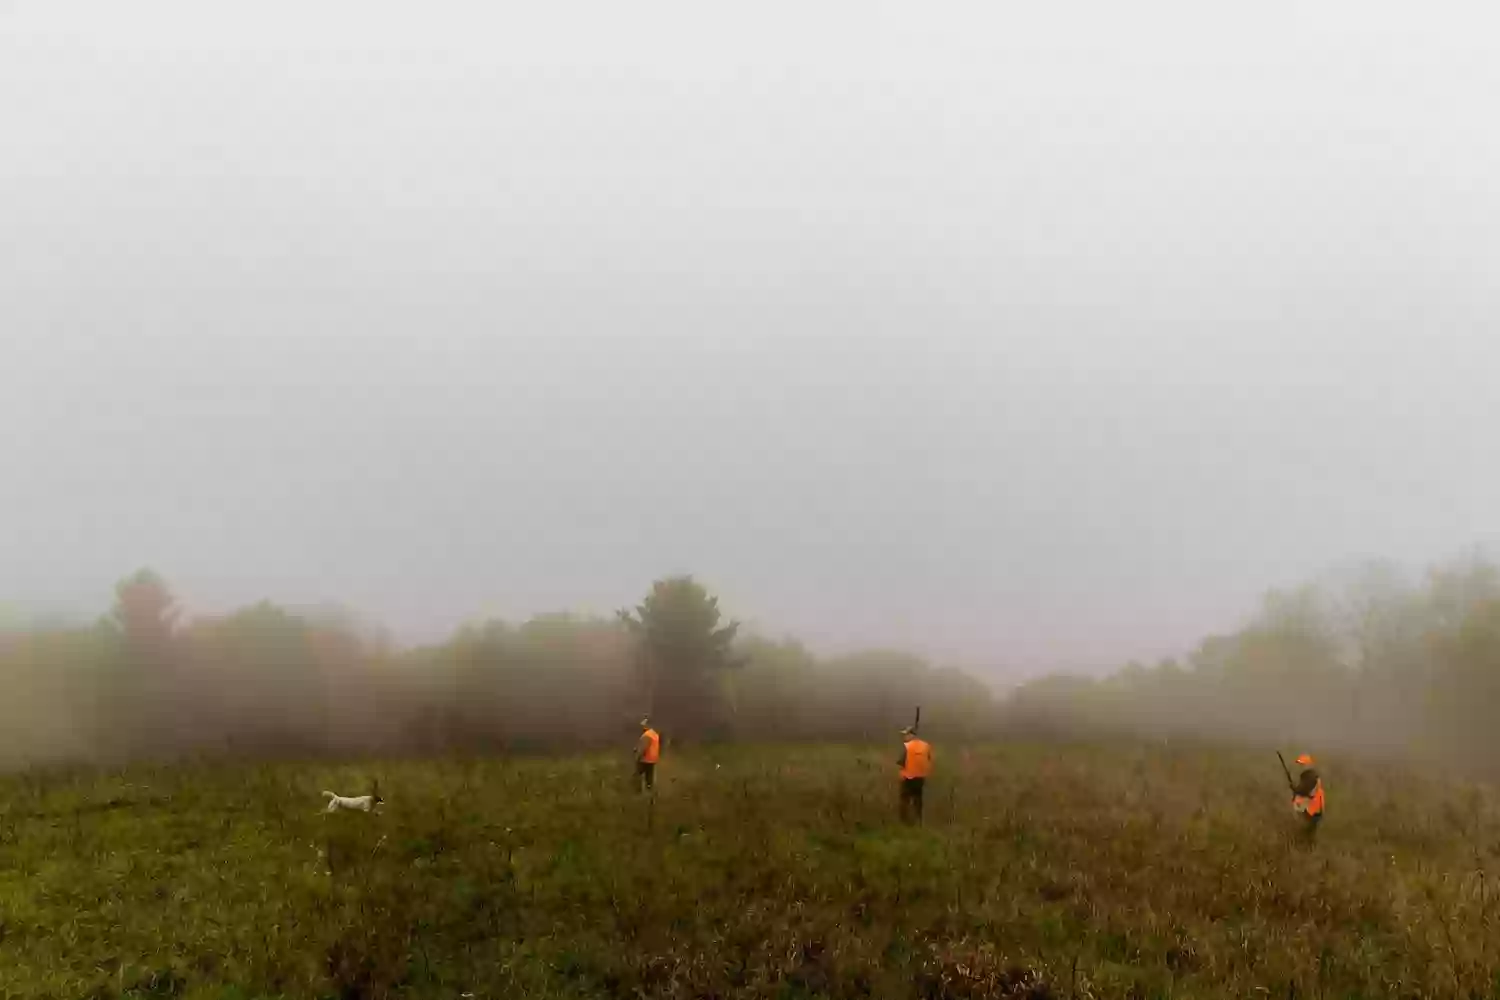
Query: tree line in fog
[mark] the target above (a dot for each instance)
(145, 681)
(1372, 660)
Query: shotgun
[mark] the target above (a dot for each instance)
(1286, 771)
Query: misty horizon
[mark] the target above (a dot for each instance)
(996, 671)
(1019, 344)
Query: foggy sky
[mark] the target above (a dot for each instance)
(1024, 335)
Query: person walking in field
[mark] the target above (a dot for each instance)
(916, 764)
(647, 753)
(1307, 795)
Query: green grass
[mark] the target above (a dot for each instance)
(1041, 871)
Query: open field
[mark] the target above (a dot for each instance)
(1041, 871)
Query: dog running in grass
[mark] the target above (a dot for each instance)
(354, 803)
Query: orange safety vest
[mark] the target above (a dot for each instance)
(1310, 805)
(653, 747)
(918, 759)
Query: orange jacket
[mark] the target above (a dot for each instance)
(1310, 805)
(916, 759)
(650, 746)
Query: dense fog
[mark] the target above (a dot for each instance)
(1371, 660)
(144, 681)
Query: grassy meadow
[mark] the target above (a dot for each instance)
(1041, 871)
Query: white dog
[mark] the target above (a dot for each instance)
(355, 803)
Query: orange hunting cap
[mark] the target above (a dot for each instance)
(1305, 760)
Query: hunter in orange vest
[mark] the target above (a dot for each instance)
(1307, 794)
(647, 753)
(916, 764)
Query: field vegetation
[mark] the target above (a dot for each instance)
(1123, 836)
(1121, 870)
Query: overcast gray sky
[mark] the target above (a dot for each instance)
(1024, 334)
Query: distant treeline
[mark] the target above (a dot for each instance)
(1366, 660)
(143, 681)
(1369, 661)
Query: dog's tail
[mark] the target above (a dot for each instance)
(329, 795)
